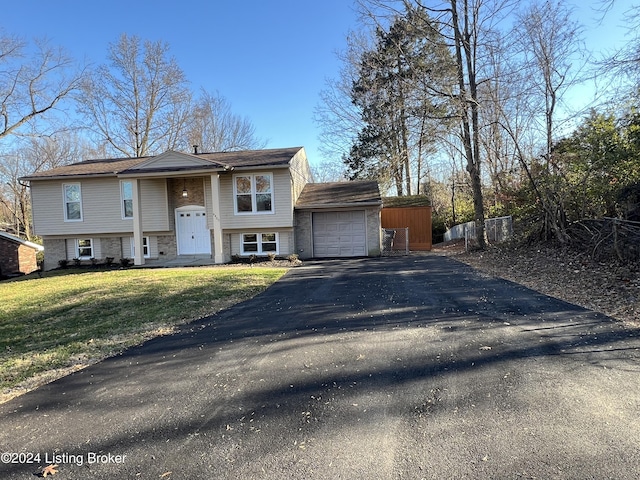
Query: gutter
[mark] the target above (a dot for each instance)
(322, 206)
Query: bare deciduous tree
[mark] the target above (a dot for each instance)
(31, 85)
(336, 115)
(550, 42)
(214, 127)
(32, 155)
(470, 27)
(139, 104)
(328, 171)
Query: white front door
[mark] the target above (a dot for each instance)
(192, 233)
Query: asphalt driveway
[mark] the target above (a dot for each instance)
(391, 368)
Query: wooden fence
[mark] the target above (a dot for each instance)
(417, 219)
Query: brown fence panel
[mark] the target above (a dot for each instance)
(418, 219)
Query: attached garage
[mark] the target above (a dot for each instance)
(340, 219)
(339, 234)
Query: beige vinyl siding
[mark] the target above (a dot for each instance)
(208, 202)
(101, 209)
(283, 206)
(300, 173)
(285, 240)
(155, 205)
(172, 160)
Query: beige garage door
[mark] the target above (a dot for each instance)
(339, 234)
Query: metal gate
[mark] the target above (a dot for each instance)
(395, 241)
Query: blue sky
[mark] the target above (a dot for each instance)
(268, 58)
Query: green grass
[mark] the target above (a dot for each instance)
(72, 317)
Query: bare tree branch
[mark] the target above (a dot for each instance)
(31, 87)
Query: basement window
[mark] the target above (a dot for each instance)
(84, 248)
(259, 243)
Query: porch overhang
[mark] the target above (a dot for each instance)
(172, 172)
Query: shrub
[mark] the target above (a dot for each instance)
(125, 262)
(271, 256)
(63, 263)
(40, 258)
(108, 261)
(77, 262)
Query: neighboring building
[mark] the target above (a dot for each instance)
(212, 204)
(17, 256)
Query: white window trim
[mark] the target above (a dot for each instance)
(85, 257)
(122, 199)
(259, 241)
(145, 247)
(64, 202)
(254, 208)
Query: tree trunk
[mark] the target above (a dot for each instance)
(469, 113)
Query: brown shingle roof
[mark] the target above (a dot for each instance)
(90, 168)
(246, 158)
(339, 194)
(253, 158)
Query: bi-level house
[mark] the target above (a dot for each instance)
(210, 204)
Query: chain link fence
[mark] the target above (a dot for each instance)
(497, 230)
(395, 241)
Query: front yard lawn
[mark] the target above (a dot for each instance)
(71, 318)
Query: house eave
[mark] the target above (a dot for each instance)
(325, 206)
(261, 167)
(20, 241)
(72, 176)
(170, 172)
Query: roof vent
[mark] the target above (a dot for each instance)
(195, 149)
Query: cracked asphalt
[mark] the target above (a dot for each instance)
(391, 368)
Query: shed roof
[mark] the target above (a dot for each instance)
(407, 201)
(339, 194)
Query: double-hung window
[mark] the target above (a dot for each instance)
(253, 193)
(145, 247)
(126, 194)
(72, 202)
(259, 243)
(84, 248)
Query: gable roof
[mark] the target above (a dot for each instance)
(339, 194)
(21, 241)
(219, 161)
